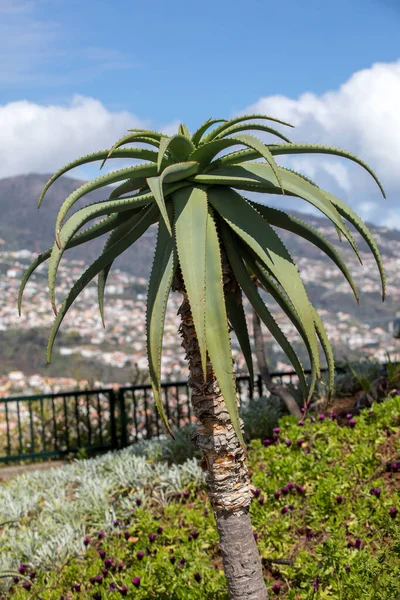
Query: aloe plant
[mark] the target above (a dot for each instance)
(212, 244)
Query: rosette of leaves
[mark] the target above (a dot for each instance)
(197, 198)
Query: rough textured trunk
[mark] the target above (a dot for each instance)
(274, 388)
(228, 481)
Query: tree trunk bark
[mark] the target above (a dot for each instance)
(274, 388)
(228, 481)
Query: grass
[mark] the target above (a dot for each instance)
(324, 513)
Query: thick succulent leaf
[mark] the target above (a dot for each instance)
(319, 149)
(179, 146)
(162, 273)
(253, 127)
(115, 235)
(255, 300)
(217, 333)
(256, 144)
(80, 218)
(137, 172)
(100, 263)
(235, 158)
(40, 259)
(339, 224)
(90, 233)
(219, 130)
(349, 214)
(142, 139)
(101, 288)
(327, 348)
(98, 209)
(239, 183)
(237, 319)
(206, 152)
(131, 185)
(292, 182)
(77, 220)
(250, 226)
(145, 137)
(173, 173)
(198, 134)
(135, 153)
(183, 130)
(286, 221)
(164, 142)
(265, 280)
(156, 135)
(191, 214)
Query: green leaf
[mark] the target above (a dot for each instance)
(253, 127)
(104, 259)
(218, 130)
(319, 149)
(327, 348)
(137, 172)
(128, 186)
(190, 205)
(101, 286)
(90, 233)
(179, 146)
(162, 273)
(235, 158)
(237, 319)
(142, 136)
(115, 235)
(293, 183)
(249, 289)
(175, 172)
(217, 334)
(150, 133)
(77, 220)
(267, 282)
(206, 152)
(165, 141)
(286, 221)
(198, 134)
(250, 226)
(256, 144)
(183, 130)
(125, 153)
(239, 183)
(348, 213)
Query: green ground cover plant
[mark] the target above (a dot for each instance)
(325, 513)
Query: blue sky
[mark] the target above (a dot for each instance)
(83, 71)
(190, 60)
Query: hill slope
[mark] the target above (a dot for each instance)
(22, 225)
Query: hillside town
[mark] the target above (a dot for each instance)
(122, 342)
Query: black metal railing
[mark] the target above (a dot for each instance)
(57, 425)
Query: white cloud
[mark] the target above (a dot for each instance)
(363, 117)
(41, 139)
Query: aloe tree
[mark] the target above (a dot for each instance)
(212, 244)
